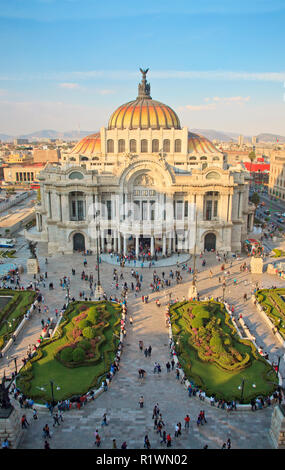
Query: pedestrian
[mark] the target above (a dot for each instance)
(172, 364)
(24, 422)
(168, 366)
(168, 440)
(124, 445)
(229, 444)
(149, 351)
(46, 432)
(35, 414)
(104, 420)
(177, 374)
(141, 401)
(146, 442)
(187, 421)
(56, 420)
(131, 321)
(114, 444)
(47, 446)
(163, 438)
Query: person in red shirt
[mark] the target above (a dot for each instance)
(187, 421)
(168, 440)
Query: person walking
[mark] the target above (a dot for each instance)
(104, 420)
(24, 422)
(56, 420)
(146, 442)
(168, 440)
(114, 444)
(149, 351)
(141, 401)
(46, 432)
(187, 421)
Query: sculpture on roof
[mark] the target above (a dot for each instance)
(32, 248)
(144, 87)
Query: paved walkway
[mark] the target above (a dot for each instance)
(127, 421)
(161, 262)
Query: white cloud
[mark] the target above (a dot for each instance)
(69, 86)
(200, 107)
(234, 99)
(106, 92)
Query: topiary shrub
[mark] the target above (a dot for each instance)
(84, 344)
(78, 355)
(92, 315)
(83, 324)
(197, 322)
(89, 332)
(66, 354)
(216, 343)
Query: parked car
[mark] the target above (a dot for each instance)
(281, 220)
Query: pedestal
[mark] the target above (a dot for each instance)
(277, 428)
(256, 265)
(192, 292)
(10, 426)
(33, 266)
(98, 295)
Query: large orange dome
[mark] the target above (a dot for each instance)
(144, 112)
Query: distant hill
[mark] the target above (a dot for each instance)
(47, 134)
(271, 138)
(210, 134)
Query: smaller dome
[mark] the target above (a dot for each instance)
(88, 146)
(200, 145)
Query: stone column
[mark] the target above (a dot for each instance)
(164, 244)
(115, 235)
(125, 244)
(65, 208)
(119, 243)
(152, 246)
(137, 245)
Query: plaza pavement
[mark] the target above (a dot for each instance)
(127, 422)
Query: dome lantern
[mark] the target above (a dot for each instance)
(144, 112)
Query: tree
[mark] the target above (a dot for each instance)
(255, 199)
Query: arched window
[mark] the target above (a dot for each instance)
(155, 145)
(143, 145)
(203, 158)
(133, 145)
(121, 145)
(110, 146)
(192, 158)
(166, 145)
(177, 145)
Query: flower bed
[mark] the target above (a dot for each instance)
(214, 357)
(72, 359)
(13, 312)
(274, 307)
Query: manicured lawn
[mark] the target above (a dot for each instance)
(72, 378)
(213, 356)
(12, 311)
(274, 306)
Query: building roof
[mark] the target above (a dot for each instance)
(89, 145)
(198, 144)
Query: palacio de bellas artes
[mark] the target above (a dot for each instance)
(144, 183)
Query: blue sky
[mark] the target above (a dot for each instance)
(67, 64)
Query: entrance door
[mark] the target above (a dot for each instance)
(144, 244)
(210, 242)
(79, 242)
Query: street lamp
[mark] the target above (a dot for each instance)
(98, 290)
(52, 383)
(241, 387)
(224, 288)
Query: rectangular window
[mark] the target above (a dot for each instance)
(144, 210)
(208, 210)
(186, 209)
(80, 209)
(109, 209)
(73, 209)
(215, 208)
(152, 210)
(179, 210)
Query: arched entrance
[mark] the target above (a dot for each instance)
(78, 242)
(210, 242)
